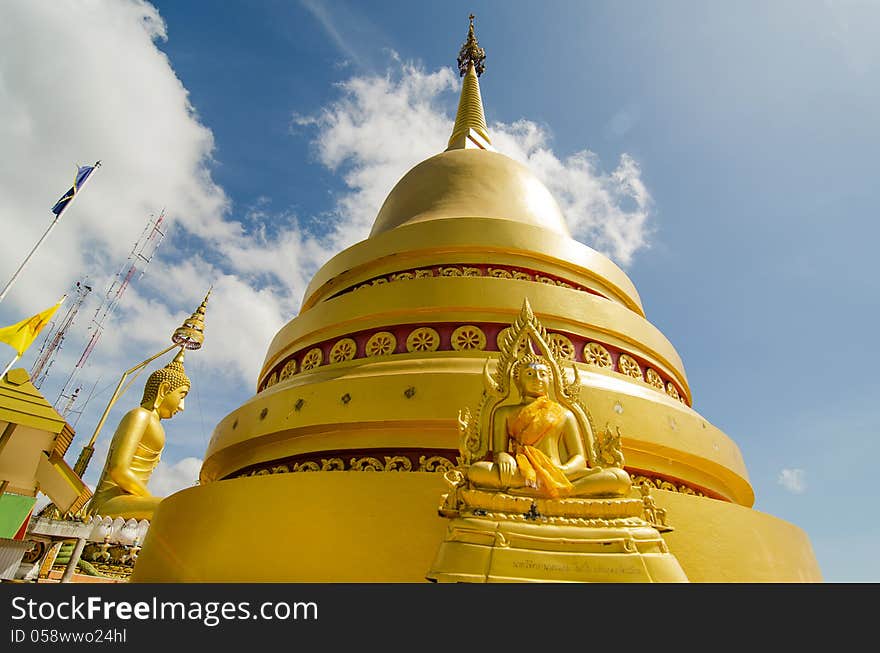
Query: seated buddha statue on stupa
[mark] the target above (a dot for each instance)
(538, 448)
(137, 446)
(536, 495)
(543, 446)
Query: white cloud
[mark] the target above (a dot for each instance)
(168, 479)
(793, 480)
(607, 211)
(375, 132)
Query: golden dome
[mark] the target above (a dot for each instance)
(470, 183)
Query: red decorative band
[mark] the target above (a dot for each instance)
(433, 337)
(471, 270)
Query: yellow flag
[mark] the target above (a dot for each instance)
(20, 336)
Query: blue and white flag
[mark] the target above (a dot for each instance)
(82, 174)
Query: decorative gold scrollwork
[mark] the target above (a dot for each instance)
(343, 350)
(398, 464)
(288, 370)
(547, 280)
(382, 343)
(280, 469)
(379, 281)
(435, 464)
(561, 346)
(654, 379)
(403, 276)
(313, 358)
(663, 484)
(609, 448)
(522, 276)
(308, 466)
(523, 345)
(468, 337)
(596, 354)
(332, 465)
(628, 365)
(420, 274)
(273, 379)
(472, 272)
(423, 339)
(367, 464)
(672, 391)
(450, 272)
(499, 273)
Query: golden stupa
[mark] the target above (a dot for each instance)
(394, 339)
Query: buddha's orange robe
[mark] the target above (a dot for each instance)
(535, 421)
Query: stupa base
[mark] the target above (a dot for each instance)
(478, 550)
(360, 527)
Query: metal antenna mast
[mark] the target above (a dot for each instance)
(133, 269)
(54, 339)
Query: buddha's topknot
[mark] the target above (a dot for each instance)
(173, 373)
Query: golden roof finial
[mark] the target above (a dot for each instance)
(191, 334)
(470, 129)
(471, 53)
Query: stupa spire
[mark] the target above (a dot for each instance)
(470, 129)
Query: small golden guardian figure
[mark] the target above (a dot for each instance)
(137, 446)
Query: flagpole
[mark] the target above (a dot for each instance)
(9, 367)
(47, 232)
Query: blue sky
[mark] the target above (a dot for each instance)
(747, 132)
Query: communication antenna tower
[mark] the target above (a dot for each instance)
(54, 339)
(133, 269)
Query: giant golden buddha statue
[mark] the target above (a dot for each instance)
(137, 446)
(139, 438)
(391, 342)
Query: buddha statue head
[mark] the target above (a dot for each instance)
(166, 388)
(532, 376)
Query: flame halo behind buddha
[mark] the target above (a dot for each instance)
(390, 343)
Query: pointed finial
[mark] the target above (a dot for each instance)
(470, 129)
(471, 53)
(191, 334)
